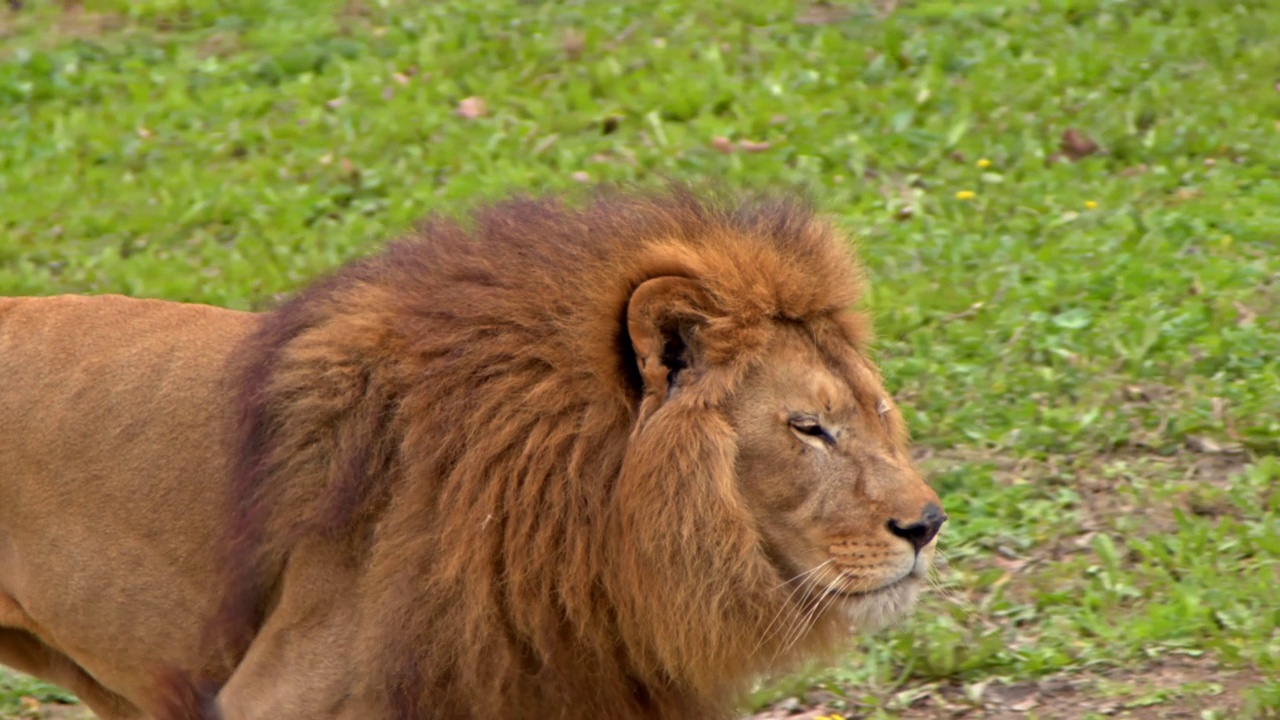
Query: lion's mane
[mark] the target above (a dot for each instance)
(463, 412)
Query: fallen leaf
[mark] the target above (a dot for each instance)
(1009, 566)
(1025, 705)
(573, 42)
(798, 714)
(966, 313)
(1209, 446)
(1219, 406)
(823, 13)
(471, 107)
(1076, 145)
(1244, 316)
(974, 692)
(1019, 696)
(722, 144)
(886, 7)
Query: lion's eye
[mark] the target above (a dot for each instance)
(811, 428)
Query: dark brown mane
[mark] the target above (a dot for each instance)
(456, 412)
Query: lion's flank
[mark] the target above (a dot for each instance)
(456, 415)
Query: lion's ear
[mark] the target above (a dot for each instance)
(662, 320)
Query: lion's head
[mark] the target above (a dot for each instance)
(614, 461)
(823, 466)
(824, 469)
(773, 443)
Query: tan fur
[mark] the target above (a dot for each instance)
(615, 461)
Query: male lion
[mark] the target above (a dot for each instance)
(607, 462)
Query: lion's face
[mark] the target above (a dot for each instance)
(823, 465)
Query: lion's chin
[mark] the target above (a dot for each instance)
(870, 611)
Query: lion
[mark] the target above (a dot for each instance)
(613, 459)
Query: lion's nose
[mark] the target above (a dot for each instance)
(920, 532)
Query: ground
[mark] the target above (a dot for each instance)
(1069, 209)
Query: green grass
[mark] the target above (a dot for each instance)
(18, 691)
(1089, 351)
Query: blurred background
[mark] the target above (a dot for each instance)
(1070, 210)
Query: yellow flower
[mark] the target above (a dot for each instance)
(1090, 205)
(984, 163)
(966, 195)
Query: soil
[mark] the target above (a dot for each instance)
(1176, 688)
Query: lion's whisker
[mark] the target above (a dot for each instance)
(810, 571)
(802, 578)
(809, 619)
(824, 603)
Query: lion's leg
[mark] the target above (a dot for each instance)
(23, 651)
(296, 672)
(300, 664)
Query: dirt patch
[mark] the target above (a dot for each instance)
(1176, 688)
(71, 22)
(78, 23)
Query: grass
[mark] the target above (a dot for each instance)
(1086, 344)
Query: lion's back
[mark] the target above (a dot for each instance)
(93, 356)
